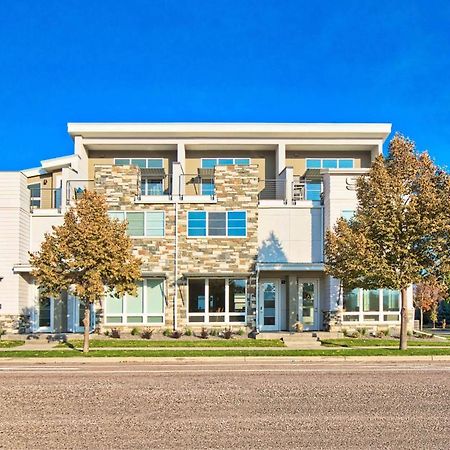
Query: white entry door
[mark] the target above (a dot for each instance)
(269, 294)
(45, 312)
(78, 316)
(308, 296)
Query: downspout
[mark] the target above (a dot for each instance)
(175, 296)
(257, 299)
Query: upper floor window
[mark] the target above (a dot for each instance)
(35, 195)
(143, 163)
(140, 223)
(313, 190)
(225, 224)
(210, 163)
(347, 214)
(329, 163)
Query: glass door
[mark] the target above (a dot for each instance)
(79, 316)
(308, 304)
(269, 299)
(45, 315)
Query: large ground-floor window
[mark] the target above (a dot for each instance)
(217, 300)
(147, 307)
(375, 305)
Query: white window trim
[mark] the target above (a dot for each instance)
(123, 315)
(226, 225)
(233, 158)
(145, 223)
(227, 312)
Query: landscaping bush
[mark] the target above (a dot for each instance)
(204, 333)
(176, 334)
(134, 331)
(115, 333)
(167, 332)
(147, 333)
(227, 333)
(240, 332)
(188, 332)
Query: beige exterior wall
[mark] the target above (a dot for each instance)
(98, 157)
(263, 159)
(297, 158)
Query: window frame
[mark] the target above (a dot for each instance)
(146, 213)
(123, 315)
(146, 162)
(324, 159)
(227, 313)
(227, 228)
(232, 158)
(34, 198)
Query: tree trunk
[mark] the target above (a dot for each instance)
(404, 321)
(86, 322)
(421, 319)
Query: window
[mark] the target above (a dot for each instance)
(35, 195)
(143, 163)
(226, 300)
(148, 223)
(329, 163)
(225, 224)
(350, 303)
(210, 163)
(347, 214)
(147, 307)
(207, 186)
(313, 190)
(391, 300)
(152, 186)
(371, 300)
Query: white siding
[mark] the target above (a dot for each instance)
(290, 234)
(14, 240)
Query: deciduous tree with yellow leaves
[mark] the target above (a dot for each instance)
(89, 255)
(400, 234)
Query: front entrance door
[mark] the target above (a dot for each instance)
(269, 305)
(308, 296)
(45, 315)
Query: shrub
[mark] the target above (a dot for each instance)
(363, 331)
(167, 332)
(214, 332)
(134, 331)
(204, 333)
(240, 332)
(350, 333)
(176, 334)
(115, 333)
(106, 333)
(227, 333)
(188, 332)
(147, 333)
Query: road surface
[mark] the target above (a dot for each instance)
(224, 404)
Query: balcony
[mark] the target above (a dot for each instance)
(281, 191)
(45, 200)
(197, 187)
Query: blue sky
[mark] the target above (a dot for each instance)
(232, 60)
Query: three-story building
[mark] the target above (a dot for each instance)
(227, 218)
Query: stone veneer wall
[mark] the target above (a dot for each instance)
(236, 189)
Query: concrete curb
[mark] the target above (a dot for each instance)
(231, 359)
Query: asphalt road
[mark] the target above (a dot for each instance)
(197, 405)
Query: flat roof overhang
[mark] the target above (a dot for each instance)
(230, 130)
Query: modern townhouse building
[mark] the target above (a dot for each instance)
(228, 219)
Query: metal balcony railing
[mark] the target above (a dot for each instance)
(272, 190)
(45, 198)
(156, 185)
(76, 188)
(298, 190)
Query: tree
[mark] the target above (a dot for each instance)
(400, 232)
(427, 295)
(90, 255)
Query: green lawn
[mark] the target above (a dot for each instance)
(98, 343)
(353, 342)
(229, 352)
(9, 344)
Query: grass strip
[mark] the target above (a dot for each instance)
(351, 342)
(230, 352)
(9, 344)
(98, 343)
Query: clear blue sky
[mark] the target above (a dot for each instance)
(210, 60)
